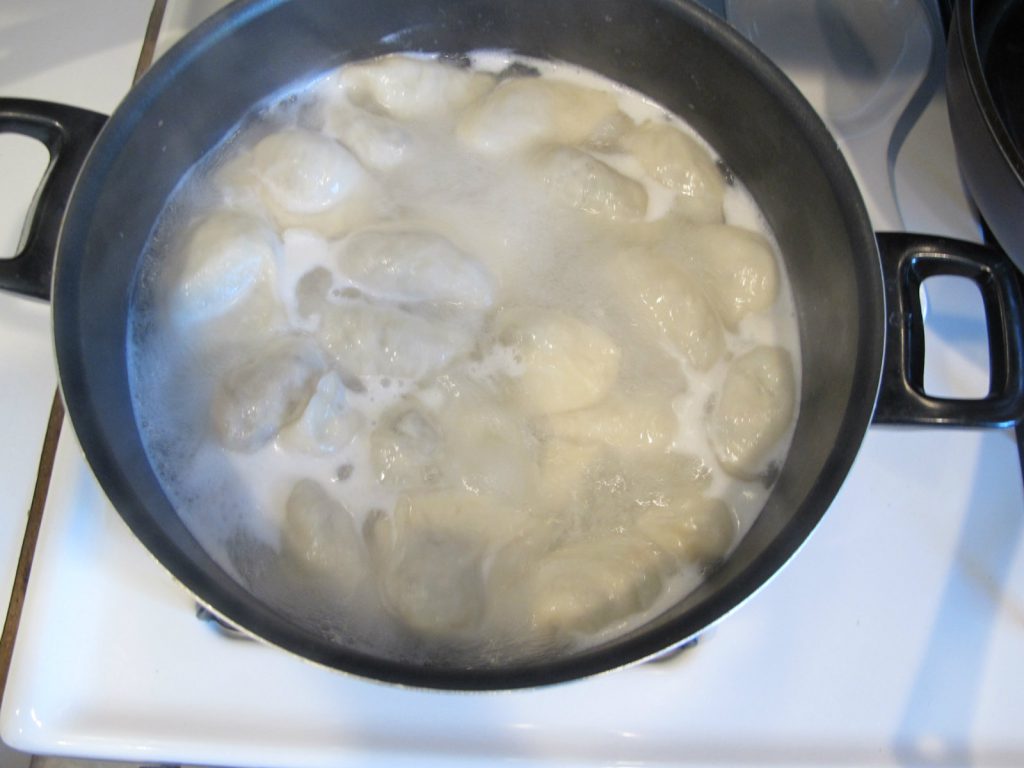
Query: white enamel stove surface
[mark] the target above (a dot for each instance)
(81, 54)
(896, 635)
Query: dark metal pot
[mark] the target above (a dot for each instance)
(985, 81)
(675, 52)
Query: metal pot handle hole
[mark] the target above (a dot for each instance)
(907, 261)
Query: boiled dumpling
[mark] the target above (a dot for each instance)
(411, 88)
(523, 111)
(413, 266)
(588, 585)
(564, 363)
(565, 467)
(305, 179)
(489, 449)
(406, 448)
(432, 580)
(578, 179)
(624, 422)
(321, 535)
(368, 339)
(738, 268)
(478, 516)
(670, 300)
(328, 423)
(266, 392)
(679, 162)
(305, 172)
(378, 141)
(616, 487)
(429, 557)
(226, 256)
(698, 530)
(753, 410)
(664, 479)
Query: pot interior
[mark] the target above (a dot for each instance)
(675, 53)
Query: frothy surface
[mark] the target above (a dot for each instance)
(546, 244)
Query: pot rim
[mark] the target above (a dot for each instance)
(267, 622)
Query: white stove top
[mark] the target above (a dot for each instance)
(56, 51)
(895, 636)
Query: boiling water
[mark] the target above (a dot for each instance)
(420, 172)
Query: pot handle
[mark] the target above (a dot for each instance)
(68, 133)
(908, 260)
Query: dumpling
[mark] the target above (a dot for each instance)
(616, 487)
(565, 363)
(479, 517)
(368, 339)
(588, 585)
(320, 534)
(489, 449)
(225, 257)
(565, 467)
(738, 268)
(328, 422)
(627, 423)
(753, 411)
(429, 557)
(524, 111)
(581, 181)
(431, 580)
(378, 141)
(304, 179)
(679, 162)
(698, 530)
(266, 392)
(406, 448)
(304, 172)
(413, 266)
(668, 299)
(410, 88)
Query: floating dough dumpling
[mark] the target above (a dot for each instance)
(305, 172)
(679, 162)
(367, 339)
(585, 586)
(266, 392)
(738, 267)
(432, 580)
(225, 257)
(669, 299)
(410, 266)
(429, 557)
(753, 411)
(407, 448)
(578, 179)
(565, 363)
(489, 449)
(565, 468)
(320, 534)
(412, 88)
(524, 111)
(627, 423)
(305, 179)
(697, 530)
(328, 422)
(379, 141)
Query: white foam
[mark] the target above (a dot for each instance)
(536, 254)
